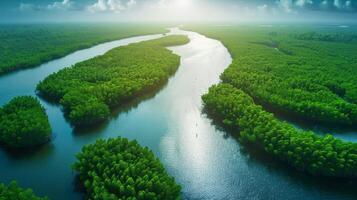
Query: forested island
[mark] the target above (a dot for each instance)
(302, 73)
(29, 45)
(305, 151)
(178, 99)
(24, 123)
(14, 192)
(291, 73)
(89, 90)
(309, 74)
(122, 169)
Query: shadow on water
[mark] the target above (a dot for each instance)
(344, 132)
(124, 108)
(341, 186)
(47, 149)
(304, 124)
(48, 100)
(254, 156)
(78, 185)
(39, 151)
(219, 125)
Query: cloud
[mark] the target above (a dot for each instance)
(349, 5)
(161, 3)
(131, 3)
(57, 5)
(99, 6)
(303, 3)
(292, 6)
(262, 8)
(26, 7)
(337, 3)
(113, 5)
(195, 10)
(64, 5)
(285, 5)
(343, 5)
(324, 3)
(110, 6)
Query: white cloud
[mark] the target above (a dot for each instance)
(337, 3)
(131, 3)
(110, 6)
(347, 5)
(285, 5)
(192, 10)
(64, 5)
(302, 3)
(57, 5)
(115, 5)
(26, 7)
(262, 8)
(98, 6)
(162, 3)
(324, 4)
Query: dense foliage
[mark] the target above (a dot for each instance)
(306, 72)
(306, 151)
(14, 192)
(122, 169)
(310, 75)
(329, 37)
(90, 89)
(24, 123)
(23, 46)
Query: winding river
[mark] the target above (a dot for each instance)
(206, 161)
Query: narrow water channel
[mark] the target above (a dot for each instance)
(207, 162)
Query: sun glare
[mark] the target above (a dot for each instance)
(184, 3)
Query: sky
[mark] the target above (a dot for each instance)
(178, 10)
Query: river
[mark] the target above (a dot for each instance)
(206, 161)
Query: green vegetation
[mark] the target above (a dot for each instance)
(23, 46)
(329, 37)
(14, 192)
(292, 71)
(90, 89)
(122, 169)
(305, 151)
(24, 123)
(309, 73)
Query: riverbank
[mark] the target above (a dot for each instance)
(209, 163)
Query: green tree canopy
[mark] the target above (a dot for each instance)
(24, 123)
(122, 169)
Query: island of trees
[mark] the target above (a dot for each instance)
(24, 123)
(305, 151)
(122, 169)
(14, 192)
(89, 90)
(296, 71)
(23, 46)
(311, 77)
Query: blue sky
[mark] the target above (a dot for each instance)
(178, 10)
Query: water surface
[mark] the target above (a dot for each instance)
(206, 161)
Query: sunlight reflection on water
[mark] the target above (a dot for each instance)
(208, 163)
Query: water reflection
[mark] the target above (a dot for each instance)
(189, 148)
(205, 159)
